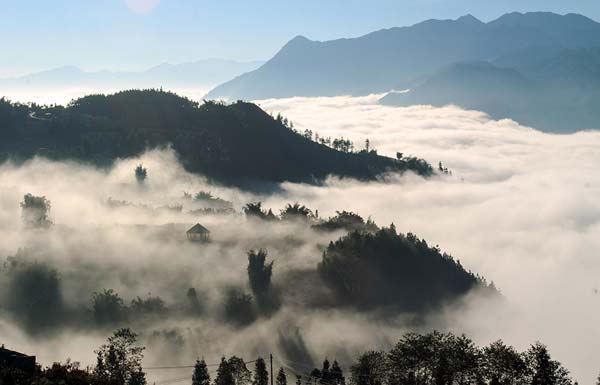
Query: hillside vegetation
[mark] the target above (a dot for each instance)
(233, 143)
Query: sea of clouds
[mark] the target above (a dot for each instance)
(521, 208)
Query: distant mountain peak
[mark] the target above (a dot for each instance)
(299, 38)
(469, 19)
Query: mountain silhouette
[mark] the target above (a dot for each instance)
(202, 73)
(396, 57)
(556, 94)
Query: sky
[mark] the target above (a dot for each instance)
(136, 34)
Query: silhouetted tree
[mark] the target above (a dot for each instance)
(296, 212)
(141, 174)
(35, 296)
(224, 374)
(544, 370)
(238, 307)
(261, 376)
(281, 377)
(371, 369)
(337, 375)
(108, 308)
(259, 272)
(150, 306)
(68, 373)
(346, 220)
(193, 301)
(326, 373)
(119, 361)
(34, 211)
(254, 210)
(200, 375)
(239, 371)
(503, 365)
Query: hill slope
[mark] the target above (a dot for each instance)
(235, 143)
(558, 93)
(394, 57)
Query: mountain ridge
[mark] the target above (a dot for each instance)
(407, 57)
(238, 144)
(197, 73)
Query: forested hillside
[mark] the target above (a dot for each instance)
(233, 143)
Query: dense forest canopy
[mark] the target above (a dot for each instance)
(387, 269)
(233, 143)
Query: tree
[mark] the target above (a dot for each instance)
(503, 365)
(137, 378)
(371, 369)
(224, 374)
(254, 210)
(261, 376)
(543, 370)
(296, 212)
(119, 361)
(195, 307)
(34, 211)
(259, 272)
(108, 308)
(325, 373)
(238, 307)
(35, 296)
(200, 375)
(281, 377)
(337, 375)
(68, 373)
(140, 174)
(239, 371)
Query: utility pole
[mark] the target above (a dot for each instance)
(271, 356)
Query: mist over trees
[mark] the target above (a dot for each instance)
(365, 267)
(35, 211)
(141, 173)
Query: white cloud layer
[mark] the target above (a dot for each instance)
(521, 209)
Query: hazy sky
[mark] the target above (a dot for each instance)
(131, 34)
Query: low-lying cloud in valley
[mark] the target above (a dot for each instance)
(520, 208)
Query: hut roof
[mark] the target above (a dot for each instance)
(198, 229)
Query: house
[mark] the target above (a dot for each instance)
(12, 359)
(198, 233)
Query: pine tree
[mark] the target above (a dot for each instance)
(261, 377)
(281, 377)
(337, 375)
(224, 375)
(326, 373)
(200, 376)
